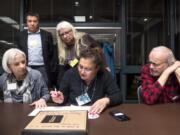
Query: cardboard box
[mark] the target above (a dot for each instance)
(57, 123)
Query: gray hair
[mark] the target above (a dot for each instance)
(9, 57)
(167, 52)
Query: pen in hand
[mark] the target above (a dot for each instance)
(57, 96)
(56, 93)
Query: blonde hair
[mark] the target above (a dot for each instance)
(9, 57)
(61, 45)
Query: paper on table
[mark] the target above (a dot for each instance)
(58, 108)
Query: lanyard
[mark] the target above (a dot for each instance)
(85, 89)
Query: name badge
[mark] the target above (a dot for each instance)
(12, 86)
(33, 43)
(73, 62)
(83, 99)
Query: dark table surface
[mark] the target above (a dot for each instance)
(161, 119)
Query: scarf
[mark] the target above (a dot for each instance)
(23, 91)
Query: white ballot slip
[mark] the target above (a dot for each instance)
(59, 108)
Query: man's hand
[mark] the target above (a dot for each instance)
(177, 72)
(172, 68)
(57, 96)
(39, 103)
(99, 105)
(164, 76)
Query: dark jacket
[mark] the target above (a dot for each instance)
(102, 86)
(47, 50)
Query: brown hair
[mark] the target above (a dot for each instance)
(32, 14)
(95, 54)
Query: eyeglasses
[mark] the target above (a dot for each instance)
(156, 64)
(87, 70)
(65, 33)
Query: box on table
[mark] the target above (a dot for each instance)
(58, 123)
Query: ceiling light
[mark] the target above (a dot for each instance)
(145, 19)
(79, 18)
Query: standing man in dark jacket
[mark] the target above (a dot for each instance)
(38, 47)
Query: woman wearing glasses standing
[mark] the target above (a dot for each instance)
(88, 84)
(70, 44)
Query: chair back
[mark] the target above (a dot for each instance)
(139, 94)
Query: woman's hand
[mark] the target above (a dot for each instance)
(57, 96)
(39, 103)
(99, 105)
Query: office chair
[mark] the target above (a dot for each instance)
(140, 100)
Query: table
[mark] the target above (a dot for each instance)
(161, 119)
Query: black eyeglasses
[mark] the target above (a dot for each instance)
(156, 64)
